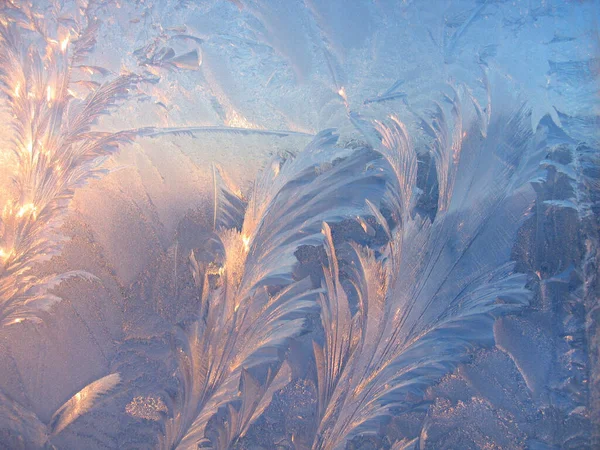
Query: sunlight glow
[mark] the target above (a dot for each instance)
(49, 94)
(28, 208)
(246, 241)
(235, 119)
(64, 43)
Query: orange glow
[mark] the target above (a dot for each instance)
(64, 43)
(49, 94)
(246, 241)
(28, 208)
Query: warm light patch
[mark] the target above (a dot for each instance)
(235, 119)
(214, 269)
(246, 241)
(64, 44)
(28, 208)
(342, 93)
(49, 94)
(17, 90)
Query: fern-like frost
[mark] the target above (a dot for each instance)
(434, 294)
(245, 321)
(53, 146)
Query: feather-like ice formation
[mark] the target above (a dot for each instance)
(54, 147)
(436, 294)
(256, 306)
(255, 397)
(229, 202)
(233, 337)
(438, 222)
(82, 402)
(21, 428)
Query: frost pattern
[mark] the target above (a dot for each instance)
(439, 268)
(26, 429)
(54, 147)
(254, 306)
(435, 294)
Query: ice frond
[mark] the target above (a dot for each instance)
(294, 196)
(54, 149)
(21, 428)
(250, 312)
(233, 337)
(82, 402)
(35, 298)
(254, 400)
(420, 312)
(82, 115)
(229, 202)
(398, 152)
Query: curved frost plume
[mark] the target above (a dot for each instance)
(250, 304)
(435, 293)
(21, 428)
(53, 147)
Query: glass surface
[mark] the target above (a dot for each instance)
(299, 224)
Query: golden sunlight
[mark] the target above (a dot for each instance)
(28, 208)
(64, 43)
(49, 94)
(246, 241)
